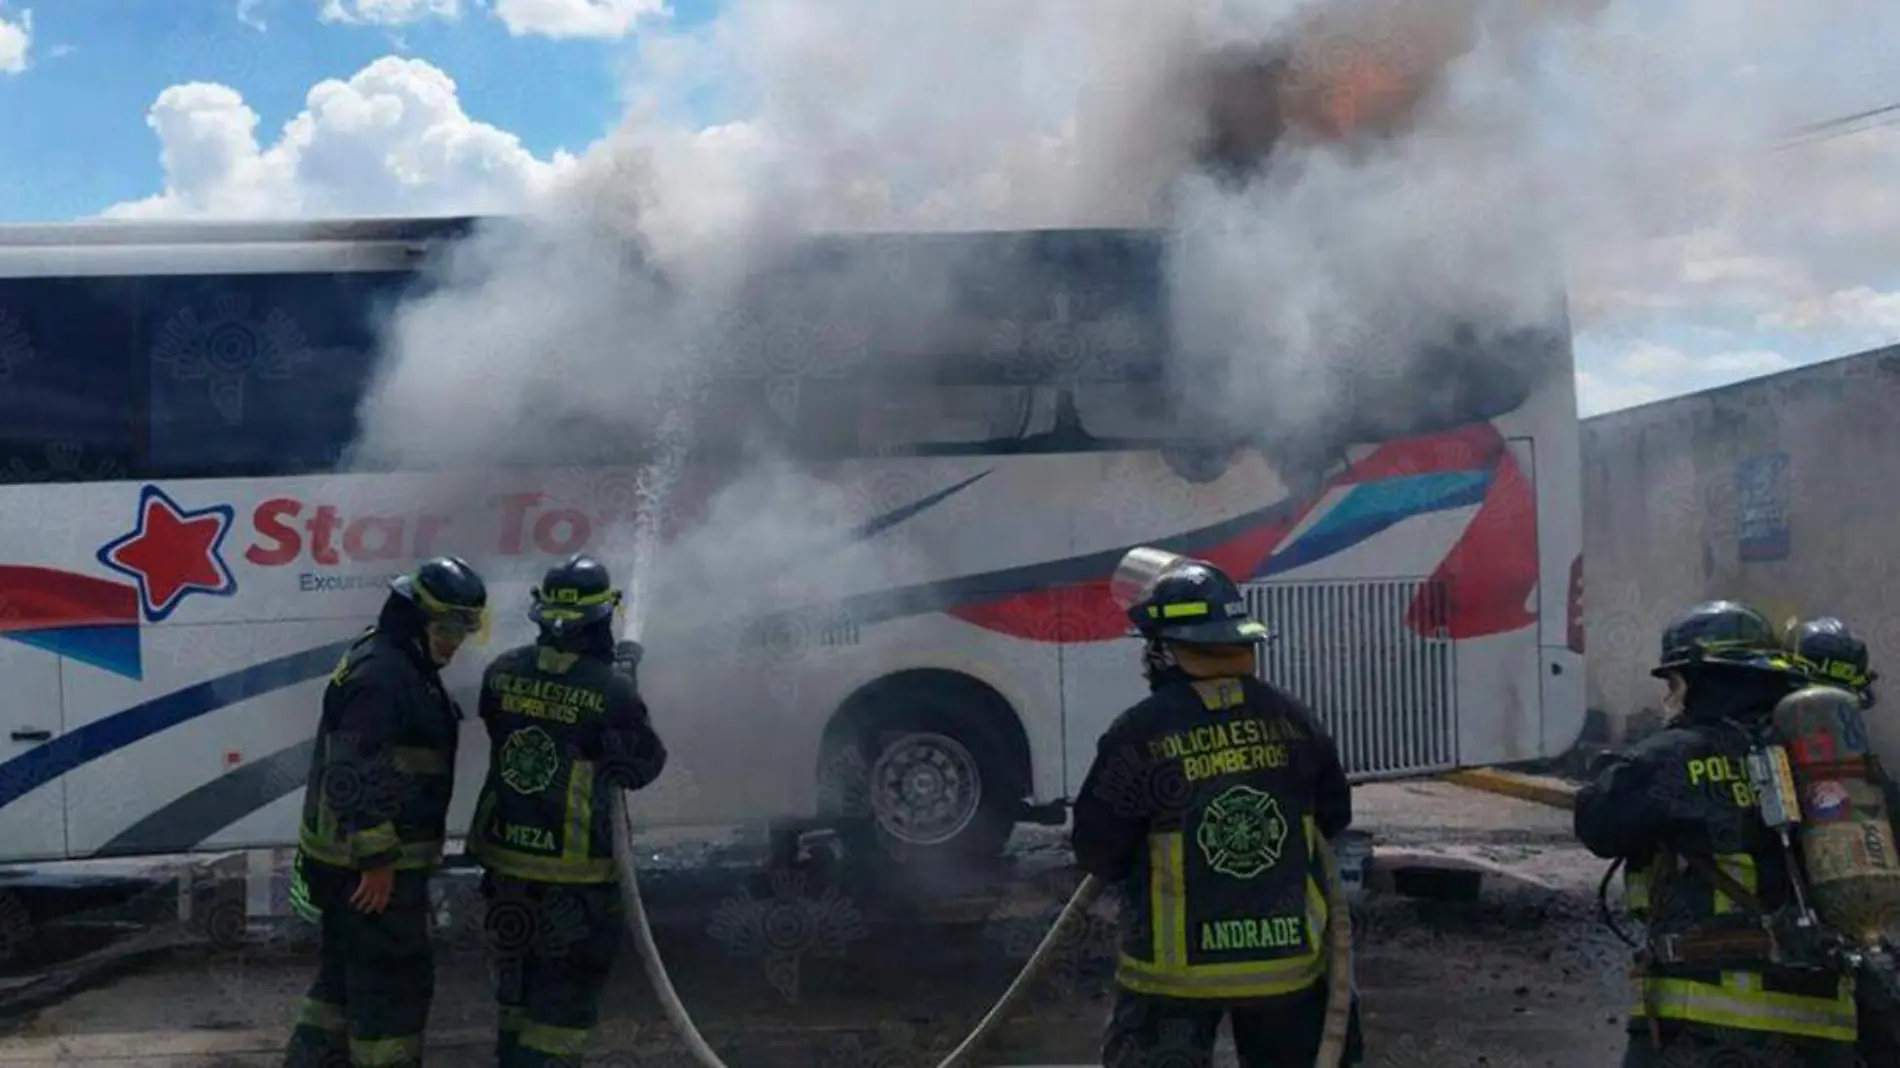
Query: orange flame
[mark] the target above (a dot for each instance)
(1364, 95)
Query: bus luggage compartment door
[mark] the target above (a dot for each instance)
(1350, 650)
(32, 793)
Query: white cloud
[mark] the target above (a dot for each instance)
(1861, 307)
(1644, 371)
(1597, 393)
(393, 139)
(1746, 363)
(1647, 359)
(247, 14)
(575, 18)
(388, 12)
(16, 41)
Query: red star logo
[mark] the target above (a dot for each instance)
(172, 553)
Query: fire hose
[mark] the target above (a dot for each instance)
(1333, 1032)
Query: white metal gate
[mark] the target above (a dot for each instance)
(1387, 692)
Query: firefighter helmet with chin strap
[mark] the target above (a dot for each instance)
(574, 594)
(1721, 634)
(1828, 652)
(448, 592)
(1195, 603)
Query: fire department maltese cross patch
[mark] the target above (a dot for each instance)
(529, 761)
(1242, 832)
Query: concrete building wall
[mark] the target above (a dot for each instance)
(1783, 491)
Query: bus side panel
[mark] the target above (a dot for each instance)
(1139, 498)
(218, 728)
(32, 825)
(1559, 449)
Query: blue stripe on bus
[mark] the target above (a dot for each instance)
(1372, 508)
(187, 823)
(74, 749)
(96, 740)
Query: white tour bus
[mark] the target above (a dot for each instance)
(180, 570)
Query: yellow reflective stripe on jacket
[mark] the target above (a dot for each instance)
(374, 841)
(576, 862)
(1741, 868)
(1635, 892)
(554, 1041)
(1737, 866)
(376, 1052)
(322, 1015)
(1739, 1002)
(327, 842)
(410, 856)
(1170, 973)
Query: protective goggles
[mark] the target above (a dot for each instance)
(451, 620)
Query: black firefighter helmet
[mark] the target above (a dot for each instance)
(1727, 633)
(1830, 653)
(448, 592)
(574, 594)
(1196, 604)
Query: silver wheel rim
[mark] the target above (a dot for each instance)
(925, 789)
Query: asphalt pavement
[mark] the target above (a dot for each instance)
(797, 971)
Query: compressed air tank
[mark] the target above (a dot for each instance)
(1847, 844)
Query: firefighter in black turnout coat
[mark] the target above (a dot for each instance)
(1830, 654)
(566, 728)
(1703, 871)
(374, 816)
(1205, 804)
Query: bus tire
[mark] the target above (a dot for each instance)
(923, 777)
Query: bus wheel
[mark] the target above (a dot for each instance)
(925, 789)
(924, 795)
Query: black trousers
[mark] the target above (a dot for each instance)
(553, 948)
(1151, 1032)
(1700, 1046)
(1879, 1045)
(375, 977)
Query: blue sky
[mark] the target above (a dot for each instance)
(99, 64)
(1760, 288)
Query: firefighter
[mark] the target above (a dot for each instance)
(1205, 805)
(566, 728)
(375, 809)
(1677, 809)
(1830, 654)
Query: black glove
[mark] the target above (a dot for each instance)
(627, 656)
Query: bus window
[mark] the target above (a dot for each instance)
(67, 379)
(258, 374)
(817, 419)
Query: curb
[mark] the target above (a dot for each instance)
(1535, 788)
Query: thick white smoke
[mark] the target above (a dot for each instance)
(1499, 146)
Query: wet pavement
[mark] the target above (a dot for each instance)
(797, 972)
